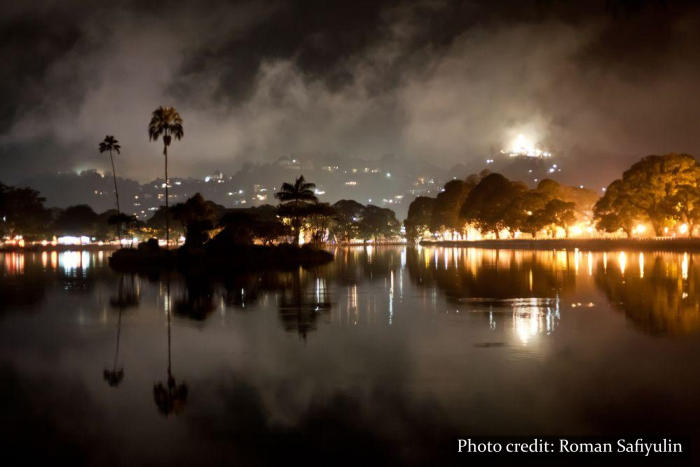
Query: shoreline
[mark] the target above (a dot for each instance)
(590, 244)
(59, 248)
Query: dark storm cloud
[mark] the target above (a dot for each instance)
(603, 82)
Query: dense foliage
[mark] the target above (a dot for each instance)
(490, 203)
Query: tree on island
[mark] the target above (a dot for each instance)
(319, 218)
(166, 123)
(197, 216)
(294, 197)
(110, 144)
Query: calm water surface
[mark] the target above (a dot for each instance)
(387, 353)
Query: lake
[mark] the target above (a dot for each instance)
(387, 353)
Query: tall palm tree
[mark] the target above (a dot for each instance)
(165, 122)
(294, 197)
(110, 144)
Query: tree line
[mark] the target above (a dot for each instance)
(22, 212)
(491, 203)
(662, 192)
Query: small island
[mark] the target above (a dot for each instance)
(221, 241)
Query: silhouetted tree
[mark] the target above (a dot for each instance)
(616, 210)
(318, 219)
(294, 197)
(686, 204)
(110, 144)
(420, 214)
(378, 223)
(491, 202)
(22, 212)
(560, 213)
(648, 189)
(166, 123)
(197, 216)
(346, 219)
(448, 204)
(77, 220)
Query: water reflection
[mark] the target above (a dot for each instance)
(171, 397)
(523, 289)
(390, 350)
(128, 295)
(661, 297)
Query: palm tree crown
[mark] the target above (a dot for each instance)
(165, 122)
(300, 191)
(110, 143)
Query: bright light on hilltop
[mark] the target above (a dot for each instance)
(523, 146)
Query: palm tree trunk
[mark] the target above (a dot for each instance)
(167, 211)
(116, 195)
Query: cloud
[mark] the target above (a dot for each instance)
(426, 80)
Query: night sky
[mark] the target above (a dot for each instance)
(600, 83)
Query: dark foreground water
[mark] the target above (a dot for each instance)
(387, 354)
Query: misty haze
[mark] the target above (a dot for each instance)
(430, 232)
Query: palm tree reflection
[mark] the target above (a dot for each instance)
(127, 296)
(170, 397)
(298, 311)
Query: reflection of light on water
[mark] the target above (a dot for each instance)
(622, 261)
(641, 265)
(561, 260)
(530, 279)
(590, 263)
(14, 263)
(530, 321)
(352, 302)
(576, 255)
(684, 266)
(320, 290)
(403, 257)
(605, 262)
(71, 261)
(391, 297)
